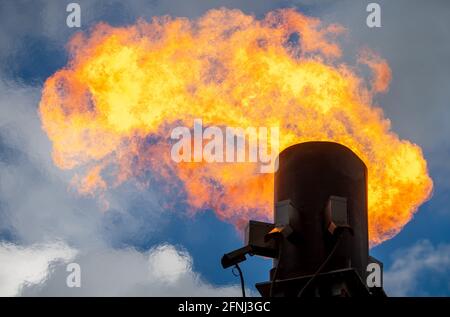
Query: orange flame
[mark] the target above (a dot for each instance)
(110, 111)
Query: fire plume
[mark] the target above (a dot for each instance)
(109, 112)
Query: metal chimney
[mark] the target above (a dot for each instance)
(319, 240)
(318, 178)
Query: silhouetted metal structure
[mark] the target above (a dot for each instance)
(319, 240)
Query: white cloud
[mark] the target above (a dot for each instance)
(40, 270)
(24, 266)
(404, 277)
(169, 264)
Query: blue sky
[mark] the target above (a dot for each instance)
(35, 205)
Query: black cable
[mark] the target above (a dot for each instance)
(275, 274)
(241, 277)
(330, 255)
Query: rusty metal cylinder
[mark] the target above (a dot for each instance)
(308, 175)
